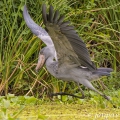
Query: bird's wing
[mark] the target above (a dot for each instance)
(38, 31)
(68, 44)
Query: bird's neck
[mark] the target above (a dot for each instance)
(51, 66)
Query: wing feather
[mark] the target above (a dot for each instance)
(39, 31)
(60, 20)
(56, 15)
(64, 24)
(69, 46)
(44, 15)
(50, 14)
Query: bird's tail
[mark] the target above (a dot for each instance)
(103, 71)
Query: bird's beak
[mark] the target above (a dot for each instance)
(41, 61)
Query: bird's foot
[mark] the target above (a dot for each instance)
(107, 97)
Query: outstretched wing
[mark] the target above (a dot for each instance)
(68, 45)
(39, 31)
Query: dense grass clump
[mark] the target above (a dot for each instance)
(97, 23)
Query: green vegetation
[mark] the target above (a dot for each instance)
(30, 108)
(98, 24)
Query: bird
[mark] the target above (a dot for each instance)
(65, 55)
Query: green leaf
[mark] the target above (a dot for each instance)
(6, 103)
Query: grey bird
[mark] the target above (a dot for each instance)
(65, 55)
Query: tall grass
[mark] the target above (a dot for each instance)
(98, 23)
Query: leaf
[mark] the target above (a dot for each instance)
(6, 103)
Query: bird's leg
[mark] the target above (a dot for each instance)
(105, 96)
(90, 86)
(82, 92)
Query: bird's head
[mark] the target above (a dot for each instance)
(44, 54)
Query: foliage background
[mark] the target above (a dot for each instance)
(97, 22)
